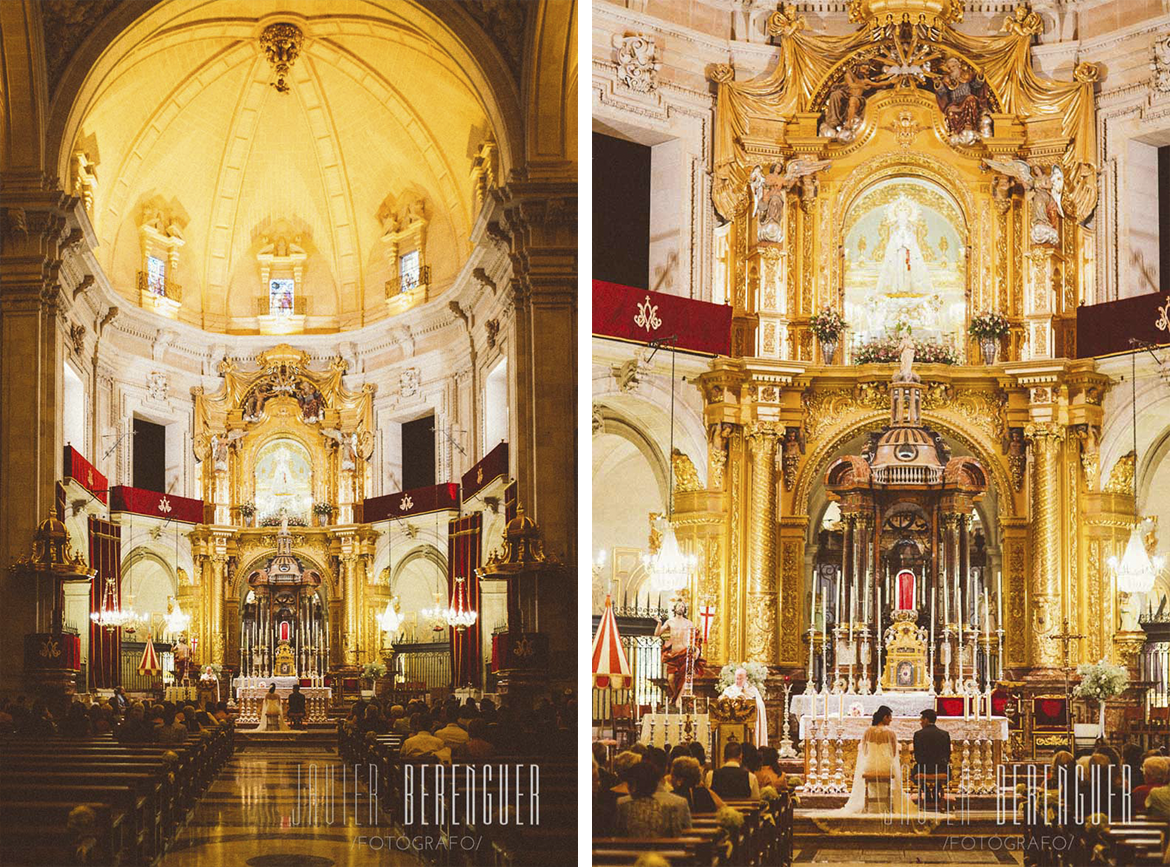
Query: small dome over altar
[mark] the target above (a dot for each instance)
(902, 453)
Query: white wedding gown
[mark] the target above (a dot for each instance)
(272, 705)
(878, 754)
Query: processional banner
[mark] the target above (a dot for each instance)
(626, 313)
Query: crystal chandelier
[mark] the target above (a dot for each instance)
(1135, 571)
(670, 569)
(177, 621)
(390, 619)
(437, 615)
(110, 615)
(460, 616)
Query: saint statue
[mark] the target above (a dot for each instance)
(906, 360)
(903, 271)
(743, 689)
(906, 590)
(679, 643)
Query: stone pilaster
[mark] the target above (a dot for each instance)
(762, 598)
(34, 217)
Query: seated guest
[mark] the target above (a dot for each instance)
(174, 730)
(422, 742)
(467, 712)
(733, 780)
(604, 805)
(769, 773)
(399, 724)
(622, 764)
(1131, 757)
(119, 701)
(373, 722)
(1158, 802)
(686, 780)
(656, 756)
(648, 812)
(76, 723)
(99, 719)
(699, 753)
(134, 728)
(221, 712)
(452, 734)
(296, 707)
(39, 722)
(477, 748)
(608, 779)
(1155, 773)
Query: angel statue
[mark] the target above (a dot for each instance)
(771, 191)
(1046, 188)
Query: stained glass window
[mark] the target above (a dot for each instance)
(280, 297)
(156, 275)
(408, 271)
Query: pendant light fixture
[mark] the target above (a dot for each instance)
(670, 569)
(1135, 571)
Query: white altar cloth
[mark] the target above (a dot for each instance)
(909, 704)
(852, 728)
(670, 728)
(316, 702)
(265, 682)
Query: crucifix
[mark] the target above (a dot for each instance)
(1064, 637)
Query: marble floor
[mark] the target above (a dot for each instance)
(284, 806)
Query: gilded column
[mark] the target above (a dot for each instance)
(215, 628)
(761, 588)
(350, 623)
(1046, 538)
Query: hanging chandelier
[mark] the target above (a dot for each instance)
(177, 621)
(391, 619)
(460, 616)
(110, 615)
(1135, 571)
(670, 569)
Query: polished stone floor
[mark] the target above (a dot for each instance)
(283, 806)
(960, 851)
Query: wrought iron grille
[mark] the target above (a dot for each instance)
(645, 655)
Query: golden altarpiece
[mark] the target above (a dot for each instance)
(908, 176)
(281, 561)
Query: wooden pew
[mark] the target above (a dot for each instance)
(31, 831)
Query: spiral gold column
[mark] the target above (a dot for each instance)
(761, 589)
(1046, 617)
(218, 575)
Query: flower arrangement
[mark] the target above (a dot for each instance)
(729, 819)
(274, 521)
(248, 510)
(323, 509)
(757, 674)
(769, 793)
(885, 351)
(988, 326)
(856, 709)
(373, 670)
(1101, 680)
(826, 325)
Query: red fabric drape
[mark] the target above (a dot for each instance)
(105, 558)
(510, 495)
(463, 558)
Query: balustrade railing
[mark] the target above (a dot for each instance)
(399, 285)
(159, 288)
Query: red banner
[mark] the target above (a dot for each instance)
(463, 558)
(419, 501)
(82, 472)
(493, 466)
(625, 313)
(47, 650)
(156, 505)
(105, 558)
(1105, 329)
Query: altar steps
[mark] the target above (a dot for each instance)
(977, 803)
(932, 829)
(315, 736)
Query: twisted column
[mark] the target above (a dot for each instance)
(761, 589)
(1046, 441)
(215, 629)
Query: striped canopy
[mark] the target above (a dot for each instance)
(149, 664)
(610, 665)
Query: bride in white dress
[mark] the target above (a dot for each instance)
(272, 713)
(877, 775)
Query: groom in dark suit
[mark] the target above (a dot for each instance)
(932, 758)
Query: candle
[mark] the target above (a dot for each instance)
(878, 673)
(841, 705)
(812, 628)
(999, 599)
(932, 600)
(824, 643)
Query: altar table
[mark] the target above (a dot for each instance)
(265, 682)
(670, 728)
(908, 704)
(976, 749)
(316, 702)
